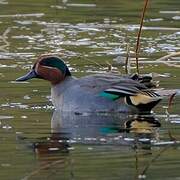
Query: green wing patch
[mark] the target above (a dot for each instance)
(109, 96)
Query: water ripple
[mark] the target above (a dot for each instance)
(38, 15)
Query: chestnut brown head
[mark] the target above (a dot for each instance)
(48, 67)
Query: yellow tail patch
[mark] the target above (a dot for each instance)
(142, 99)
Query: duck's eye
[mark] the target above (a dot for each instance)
(45, 62)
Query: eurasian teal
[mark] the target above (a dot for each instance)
(94, 93)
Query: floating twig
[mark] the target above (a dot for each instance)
(155, 158)
(172, 138)
(94, 62)
(171, 100)
(4, 38)
(169, 63)
(136, 164)
(139, 35)
(44, 167)
(109, 66)
(168, 56)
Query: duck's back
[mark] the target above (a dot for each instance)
(100, 82)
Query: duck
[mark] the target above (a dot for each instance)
(102, 92)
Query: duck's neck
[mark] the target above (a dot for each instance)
(58, 89)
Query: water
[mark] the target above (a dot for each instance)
(38, 142)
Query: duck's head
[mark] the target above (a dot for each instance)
(48, 67)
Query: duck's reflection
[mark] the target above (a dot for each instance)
(75, 137)
(68, 129)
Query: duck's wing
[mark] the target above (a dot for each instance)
(130, 90)
(115, 87)
(100, 82)
(134, 93)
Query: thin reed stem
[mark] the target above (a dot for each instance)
(139, 35)
(127, 63)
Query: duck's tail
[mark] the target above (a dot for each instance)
(145, 79)
(144, 100)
